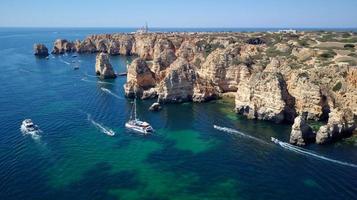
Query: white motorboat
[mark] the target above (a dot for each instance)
(276, 141)
(29, 127)
(134, 124)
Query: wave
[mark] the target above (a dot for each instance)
(102, 128)
(111, 93)
(305, 152)
(234, 131)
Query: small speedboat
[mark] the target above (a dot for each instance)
(136, 125)
(276, 141)
(29, 127)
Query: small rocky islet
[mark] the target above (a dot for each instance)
(281, 77)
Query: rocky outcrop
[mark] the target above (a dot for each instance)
(87, 46)
(301, 132)
(308, 96)
(40, 50)
(155, 107)
(222, 68)
(341, 124)
(139, 79)
(179, 83)
(103, 68)
(264, 96)
(275, 76)
(63, 46)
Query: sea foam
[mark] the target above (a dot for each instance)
(101, 127)
(110, 93)
(305, 152)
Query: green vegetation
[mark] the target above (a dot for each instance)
(208, 48)
(303, 75)
(352, 54)
(349, 46)
(303, 43)
(327, 54)
(273, 52)
(197, 62)
(315, 125)
(337, 87)
(346, 35)
(349, 40)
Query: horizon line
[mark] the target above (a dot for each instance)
(158, 27)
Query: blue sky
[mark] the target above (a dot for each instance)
(179, 13)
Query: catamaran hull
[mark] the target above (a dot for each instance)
(137, 129)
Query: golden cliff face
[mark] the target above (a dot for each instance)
(275, 76)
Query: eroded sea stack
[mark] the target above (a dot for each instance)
(103, 68)
(276, 76)
(40, 50)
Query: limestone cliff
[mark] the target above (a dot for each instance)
(63, 46)
(301, 132)
(139, 78)
(341, 124)
(103, 68)
(40, 50)
(275, 76)
(264, 96)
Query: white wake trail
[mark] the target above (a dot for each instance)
(310, 153)
(110, 93)
(91, 81)
(65, 62)
(234, 131)
(102, 128)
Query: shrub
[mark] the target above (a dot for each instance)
(337, 87)
(328, 54)
(352, 55)
(349, 46)
(303, 43)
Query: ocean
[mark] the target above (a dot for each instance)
(199, 151)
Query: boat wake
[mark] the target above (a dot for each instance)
(110, 93)
(85, 79)
(102, 128)
(34, 134)
(236, 132)
(86, 74)
(305, 152)
(65, 62)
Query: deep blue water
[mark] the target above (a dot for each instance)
(185, 159)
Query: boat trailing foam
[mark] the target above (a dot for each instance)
(102, 128)
(110, 93)
(305, 152)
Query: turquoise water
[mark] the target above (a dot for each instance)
(185, 159)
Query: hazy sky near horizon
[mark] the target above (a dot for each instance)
(179, 13)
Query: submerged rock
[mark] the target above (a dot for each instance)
(103, 68)
(301, 132)
(40, 50)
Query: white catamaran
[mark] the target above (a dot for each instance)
(136, 125)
